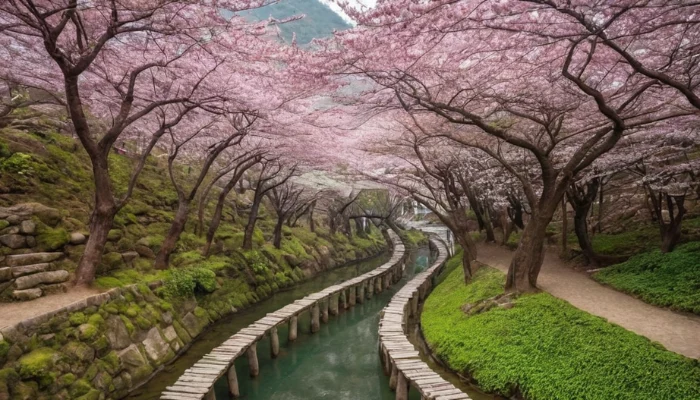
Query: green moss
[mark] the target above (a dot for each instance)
(112, 360)
(87, 331)
(129, 325)
(66, 380)
(4, 348)
(547, 349)
(663, 279)
(77, 318)
(96, 319)
(133, 311)
(52, 238)
(79, 388)
(142, 322)
(38, 365)
(4, 224)
(93, 394)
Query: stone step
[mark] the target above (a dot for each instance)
(30, 281)
(19, 260)
(29, 269)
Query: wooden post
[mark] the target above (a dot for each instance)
(334, 300)
(344, 299)
(378, 284)
(353, 295)
(414, 304)
(361, 293)
(274, 342)
(370, 288)
(252, 355)
(394, 377)
(293, 328)
(324, 309)
(315, 324)
(233, 388)
(402, 387)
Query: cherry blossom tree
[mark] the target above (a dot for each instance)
(209, 142)
(285, 199)
(237, 167)
(543, 105)
(144, 65)
(271, 174)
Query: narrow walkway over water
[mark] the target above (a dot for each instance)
(339, 362)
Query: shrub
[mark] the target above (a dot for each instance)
(183, 282)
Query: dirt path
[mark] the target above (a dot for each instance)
(678, 333)
(12, 313)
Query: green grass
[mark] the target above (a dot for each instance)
(547, 349)
(667, 280)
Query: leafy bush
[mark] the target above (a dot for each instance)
(183, 282)
(547, 349)
(667, 280)
(257, 262)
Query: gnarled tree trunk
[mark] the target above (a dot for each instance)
(176, 229)
(250, 226)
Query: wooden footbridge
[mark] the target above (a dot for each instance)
(198, 381)
(399, 358)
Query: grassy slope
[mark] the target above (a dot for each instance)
(667, 280)
(39, 164)
(548, 349)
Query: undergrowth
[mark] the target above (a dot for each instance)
(547, 349)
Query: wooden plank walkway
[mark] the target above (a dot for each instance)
(399, 358)
(198, 381)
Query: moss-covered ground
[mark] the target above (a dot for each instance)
(546, 349)
(663, 279)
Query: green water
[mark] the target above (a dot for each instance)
(339, 362)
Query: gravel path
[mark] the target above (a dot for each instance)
(677, 332)
(12, 313)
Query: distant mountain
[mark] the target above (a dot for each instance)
(320, 20)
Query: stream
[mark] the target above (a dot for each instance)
(339, 362)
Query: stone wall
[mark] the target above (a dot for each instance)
(97, 348)
(28, 239)
(102, 347)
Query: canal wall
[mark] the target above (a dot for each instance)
(198, 381)
(104, 346)
(400, 359)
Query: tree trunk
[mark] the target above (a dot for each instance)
(250, 226)
(600, 208)
(528, 257)
(564, 227)
(216, 218)
(488, 226)
(176, 229)
(277, 235)
(359, 229)
(468, 253)
(312, 223)
(100, 223)
(671, 232)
